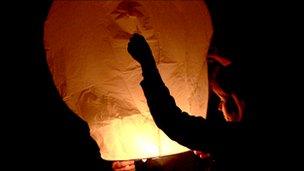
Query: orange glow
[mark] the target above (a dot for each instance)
(141, 136)
(86, 44)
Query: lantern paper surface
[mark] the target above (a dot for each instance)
(86, 45)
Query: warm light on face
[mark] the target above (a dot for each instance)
(86, 44)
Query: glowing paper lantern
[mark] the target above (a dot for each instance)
(86, 45)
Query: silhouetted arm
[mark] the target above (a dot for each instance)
(224, 140)
(191, 131)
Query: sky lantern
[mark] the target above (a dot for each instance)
(86, 45)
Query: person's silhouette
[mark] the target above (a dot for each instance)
(221, 139)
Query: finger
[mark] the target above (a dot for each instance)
(129, 168)
(115, 165)
(120, 164)
(126, 163)
(125, 168)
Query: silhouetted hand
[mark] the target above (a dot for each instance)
(140, 50)
(127, 165)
